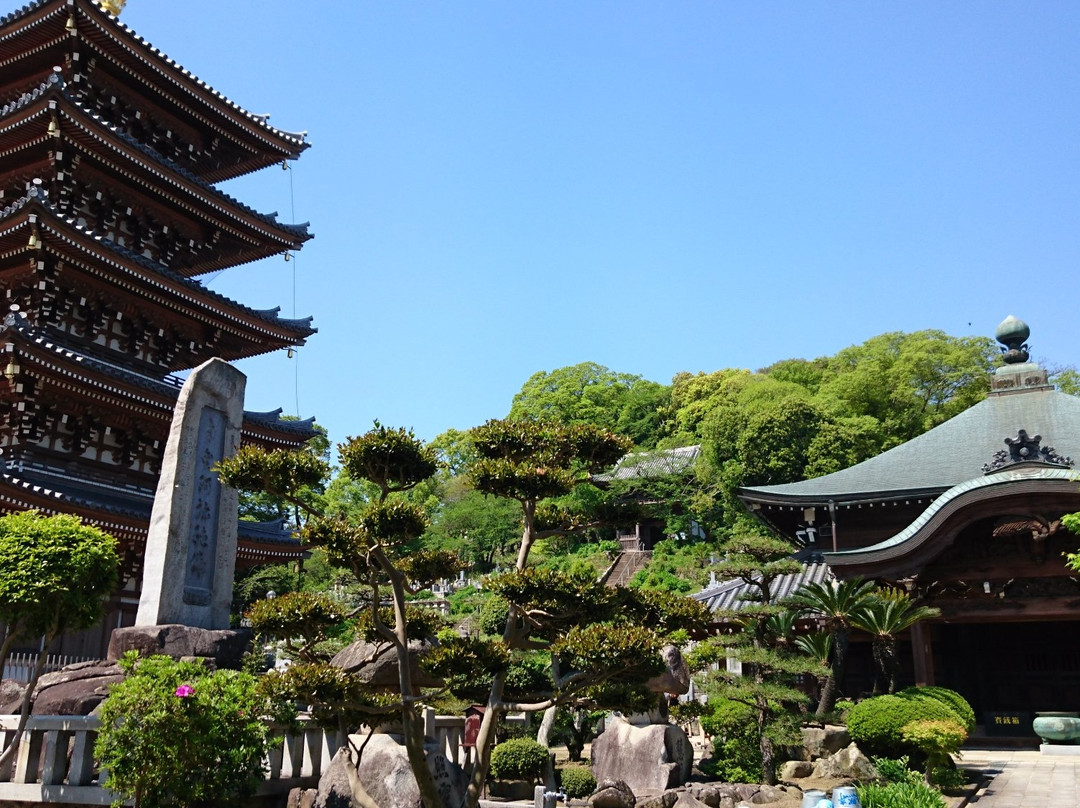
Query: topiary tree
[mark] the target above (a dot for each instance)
(577, 781)
(600, 644)
(877, 724)
(55, 576)
(950, 698)
(518, 759)
(938, 740)
(377, 545)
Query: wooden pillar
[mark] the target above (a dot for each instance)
(923, 651)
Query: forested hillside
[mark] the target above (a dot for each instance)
(794, 419)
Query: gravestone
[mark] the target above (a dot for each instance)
(191, 547)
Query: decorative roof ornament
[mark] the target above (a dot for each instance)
(114, 7)
(1025, 449)
(1013, 334)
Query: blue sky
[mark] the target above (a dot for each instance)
(498, 188)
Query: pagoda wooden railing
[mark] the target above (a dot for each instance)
(55, 763)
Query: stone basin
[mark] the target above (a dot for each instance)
(1057, 727)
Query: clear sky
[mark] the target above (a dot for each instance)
(503, 187)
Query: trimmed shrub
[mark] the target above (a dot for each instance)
(937, 740)
(877, 724)
(736, 754)
(899, 795)
(518, 759)
(949, 698)
(577, 781)
(896, 770)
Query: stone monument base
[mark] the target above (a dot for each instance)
(226, 647)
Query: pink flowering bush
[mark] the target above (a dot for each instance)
(174, 733)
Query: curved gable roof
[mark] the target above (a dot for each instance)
(947, 455)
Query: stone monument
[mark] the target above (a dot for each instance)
(191, 547)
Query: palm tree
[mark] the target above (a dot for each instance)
(833, 603)
(816, 645)
(883, 616)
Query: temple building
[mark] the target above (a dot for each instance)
(967, 518)
(109, 151)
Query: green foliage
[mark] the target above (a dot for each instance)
(577, 781)
(392, 459)
(282, 472)
(296, 614)
(592, 394)
(736, 756)
(877, 724)
(518, 759)
(174, 734)
(899, 795)
(675, 567)
(480, 527)
(897, 770)
(493, 615)
(883, 616)
(55, 573)
(937, 739)
(950, 698)
(949, 777)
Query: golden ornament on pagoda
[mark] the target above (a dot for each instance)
(114, 7)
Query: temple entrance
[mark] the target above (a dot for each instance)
(1010, 669)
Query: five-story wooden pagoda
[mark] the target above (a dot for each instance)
(109, 152)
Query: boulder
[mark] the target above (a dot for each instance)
(613, 794)
(796, 769)
(665, 800)
(385, 774)
(11, 696)
(76, 689)
(226, 647)
(768, 794)
(650, 760)
(688, 800)
(674, 680)
(745, 791)
(380, 670)
(301, 798)
(710, 795)
(849, 762)
(824, 741)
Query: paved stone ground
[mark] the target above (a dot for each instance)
(1026, 778)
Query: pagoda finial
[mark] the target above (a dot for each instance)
(114, 7)
(1013, 333)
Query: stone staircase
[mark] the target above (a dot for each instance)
(625, 566)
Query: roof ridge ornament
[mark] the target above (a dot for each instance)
(1013, 334)
(114, 7)
(1025, 449)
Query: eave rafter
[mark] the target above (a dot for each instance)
(67, 134)
(81, 26)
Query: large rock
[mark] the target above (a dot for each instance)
(613, 794)
(76, 689)
(796, 769)
(824, 741)
(385, 774)
(849, 762)
(226, 647)
(674, 680)
(381, 671)
(650, 760)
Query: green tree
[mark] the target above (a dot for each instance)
(835, 603)
(378, 545)
(909, 382)
(883, 616)
(55, 576)
(770, 662)
(589, 393)
(479, 527)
